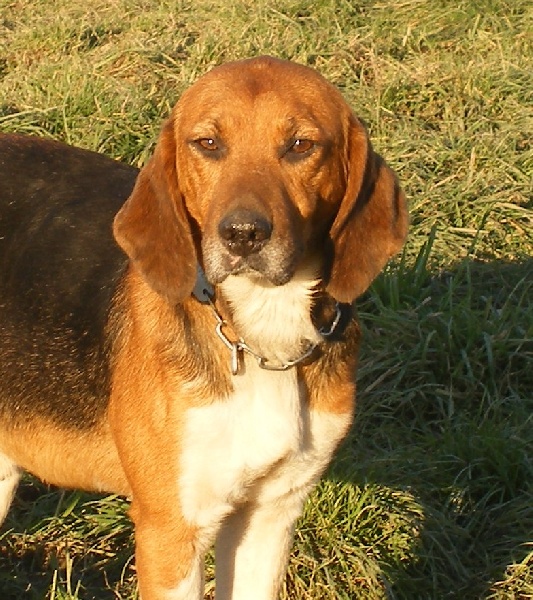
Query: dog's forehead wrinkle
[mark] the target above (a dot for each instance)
(242, 97)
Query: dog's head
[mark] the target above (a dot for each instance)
(262, 166)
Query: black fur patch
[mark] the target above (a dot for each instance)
(59, 270)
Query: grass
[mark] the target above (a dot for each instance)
(431, 496)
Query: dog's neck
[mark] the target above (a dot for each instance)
(276, 321)
(278, 326)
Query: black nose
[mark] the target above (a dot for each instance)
(244, 232)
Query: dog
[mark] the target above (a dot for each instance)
(184, 335)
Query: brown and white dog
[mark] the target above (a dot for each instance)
(208, 372)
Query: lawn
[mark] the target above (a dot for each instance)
(431, 497)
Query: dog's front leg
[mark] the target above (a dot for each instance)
(167, 554)
(9, 478)
(252, 549)
(169, 549)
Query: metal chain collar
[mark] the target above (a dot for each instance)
(204, 293)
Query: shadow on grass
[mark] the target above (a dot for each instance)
(449, 426)
(65, 545)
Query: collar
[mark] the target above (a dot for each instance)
(205, 293)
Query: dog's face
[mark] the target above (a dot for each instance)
(261, 166)
(260, 149)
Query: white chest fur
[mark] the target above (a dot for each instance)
(232, 443)
(261, 443)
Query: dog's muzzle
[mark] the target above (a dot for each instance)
(244, 232)
(245, 241)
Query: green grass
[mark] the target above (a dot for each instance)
(431, 496)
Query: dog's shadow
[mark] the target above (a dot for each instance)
(436, 475)
(449, 448)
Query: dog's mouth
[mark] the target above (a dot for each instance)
(249, 243)
(274, 264)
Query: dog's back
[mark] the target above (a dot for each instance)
(59, 269)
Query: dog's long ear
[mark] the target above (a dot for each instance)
(152, 225)
(372, 221)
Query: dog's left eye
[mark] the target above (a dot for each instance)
(301, 146)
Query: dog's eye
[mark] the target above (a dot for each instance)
(208, 144)
(298, 149)
(301, 146)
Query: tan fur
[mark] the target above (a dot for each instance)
(67, 458)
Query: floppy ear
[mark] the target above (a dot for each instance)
(152, 226)
(372, 221)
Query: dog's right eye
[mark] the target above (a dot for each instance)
(207, 144)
